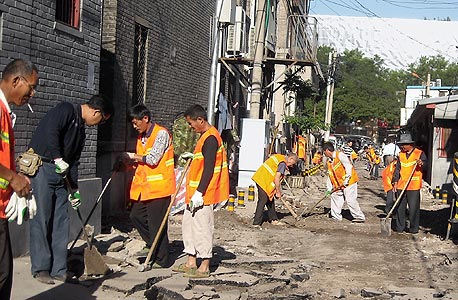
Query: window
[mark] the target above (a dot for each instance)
(444, 135)
(140, 46)
(68, 12)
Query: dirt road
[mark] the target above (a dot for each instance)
(338, 259)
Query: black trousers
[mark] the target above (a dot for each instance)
(147, 216)
(6, 261)
(412, 200)
(263, 200)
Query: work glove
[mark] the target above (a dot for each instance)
(130, 155)
(16, 208)
(61, 166)
(186, 155)
(346, 180)
(197, 200)
(328, 193)
(32, 206)
(75, 199)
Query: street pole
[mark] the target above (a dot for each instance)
(214, 65)
(256, 79)
(329, 93)
(428, 83)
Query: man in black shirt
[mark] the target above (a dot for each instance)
(59, 140)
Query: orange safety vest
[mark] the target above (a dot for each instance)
(218, 189)
(406, 168)
(153, 182)
(265, 175)
(387, 176)
(354, 155)
(336, 172)
(317, 158)
(6, 156)
(373, 158)
(301, 145)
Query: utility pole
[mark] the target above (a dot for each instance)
(256, 79)
(428, 87)
(214, 65)
(330, 92)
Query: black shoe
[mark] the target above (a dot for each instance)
(44, 277)
(66, 279)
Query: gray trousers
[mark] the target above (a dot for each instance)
(49, 228)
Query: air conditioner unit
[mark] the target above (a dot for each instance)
(227, 12)
(236, 36)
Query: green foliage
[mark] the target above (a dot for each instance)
(184, 138)
(304, 94)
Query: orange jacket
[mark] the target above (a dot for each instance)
(218, 189)
(354, 155)
(407, 165)
(300, 147)
(387, 176)
(317, 158)
(265, 175)
(6, 156)
(153, 182)
(336, 172)
(373, 158)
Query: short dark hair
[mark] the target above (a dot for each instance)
(99, 102)
(196, 111)
(328, 146)
(138, 111)
(19, 67)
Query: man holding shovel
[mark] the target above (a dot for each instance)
(342, 175)
(59, 140)
(268, 181)
(411, 161)
(153, 182)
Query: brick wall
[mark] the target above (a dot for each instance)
(62, 57)
(181, 27)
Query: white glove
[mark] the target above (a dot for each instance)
(75, 199)
(16, 208)
(11, 208)
(130, 155)
(186, 155)
(197, 200)
(346, 180)
(61, 166)
(32, 205)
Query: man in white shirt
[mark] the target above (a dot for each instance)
(389, 152)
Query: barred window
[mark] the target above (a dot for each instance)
(68, 12)
(139, 80)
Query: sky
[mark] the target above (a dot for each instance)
(405, 9)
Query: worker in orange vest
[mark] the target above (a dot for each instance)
(207, 184)
(342, 184)
(374, 161)
(387, 178)
(153, 182)
(300, 147)
(268, 181)
(317, 158)
(410, 159)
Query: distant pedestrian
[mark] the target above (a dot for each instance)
(153, 182)
(374, 161)
(411, 159)
(59, 139)
(268, 179)
(17, 86)
(207, 184)
(343, 179)
(347, 149)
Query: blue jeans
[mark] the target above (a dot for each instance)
(50, 227)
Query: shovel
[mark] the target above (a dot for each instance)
(318, 202)
(94, 263)
(386, 222)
